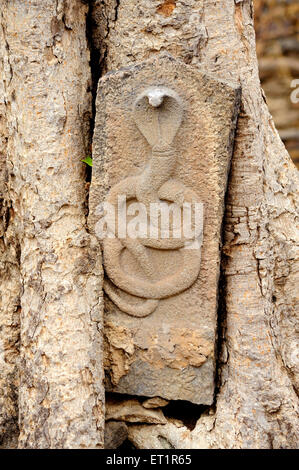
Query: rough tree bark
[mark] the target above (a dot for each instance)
(9, 288)
(47, 99)
(44, 123)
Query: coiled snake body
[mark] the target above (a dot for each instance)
(158, 115)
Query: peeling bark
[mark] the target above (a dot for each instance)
(9, 286)
(48, 105)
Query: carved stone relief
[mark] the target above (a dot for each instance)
(163, 138)
(158, 115)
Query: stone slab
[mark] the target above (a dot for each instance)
(169, 352)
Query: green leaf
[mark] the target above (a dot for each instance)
(87, 160)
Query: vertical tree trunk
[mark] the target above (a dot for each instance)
(9, 286)
(49, 260)
(48, 106)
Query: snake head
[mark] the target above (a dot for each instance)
(158, 113)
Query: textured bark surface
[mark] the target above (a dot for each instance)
(48, 106)
(45, 110)
(256, 404)
(9, 285)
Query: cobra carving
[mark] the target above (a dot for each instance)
(158, 115)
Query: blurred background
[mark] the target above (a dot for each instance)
(277, 31)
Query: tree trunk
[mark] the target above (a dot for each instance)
(9, 287)
(48, 108)
(45, 248)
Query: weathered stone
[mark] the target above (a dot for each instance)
(116, 432)
(155, 402)
(168, 436)
(173, 435)
(163, 132)
(132, 411)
